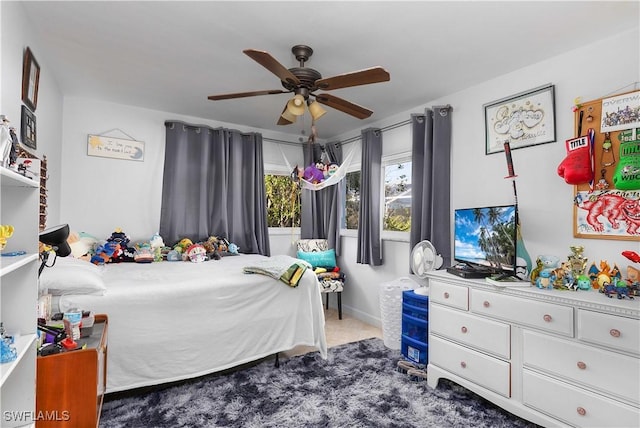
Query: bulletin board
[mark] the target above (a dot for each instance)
(600, 210)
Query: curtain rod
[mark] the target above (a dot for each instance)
(383, 129)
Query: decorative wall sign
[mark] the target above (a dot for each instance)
(116, 148)
(620, 112)
(28, 128)
(525, 119)
(30, 80)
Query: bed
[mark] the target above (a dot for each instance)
(170, 321)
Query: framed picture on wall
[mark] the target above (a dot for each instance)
(523, 119)
(30, 80)
(28, 128)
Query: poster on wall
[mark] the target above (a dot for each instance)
(607, 214)
(523, 119)
(620, 112)
(116, 148)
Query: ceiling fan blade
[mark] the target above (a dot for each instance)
(344, 106)
(356, 78)
(245, 94)
(270, 63)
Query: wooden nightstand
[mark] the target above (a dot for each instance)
(70, 386)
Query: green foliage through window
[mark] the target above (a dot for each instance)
(283, 201)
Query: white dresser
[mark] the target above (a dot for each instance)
(556, 358)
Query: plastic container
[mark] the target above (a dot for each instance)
(413, 299)
(414, 350)
(414, 328)
(391, 309)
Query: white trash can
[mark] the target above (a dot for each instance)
(391, 309)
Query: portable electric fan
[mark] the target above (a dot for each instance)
(424, 258)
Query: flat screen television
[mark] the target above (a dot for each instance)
(485, 240)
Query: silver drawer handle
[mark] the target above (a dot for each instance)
(581, 411)
(614, 332)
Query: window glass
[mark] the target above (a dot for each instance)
(352, 200)
(283, 201)
(397, 196)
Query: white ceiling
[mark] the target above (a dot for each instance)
(170, 56)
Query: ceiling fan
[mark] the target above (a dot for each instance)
(304, 82)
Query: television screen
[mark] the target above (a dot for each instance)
(486, 237)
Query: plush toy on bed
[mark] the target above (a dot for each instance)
(144, 253)
(104, 253)
(81, 245)
(124, 253)
(211, 248)
(157, 244)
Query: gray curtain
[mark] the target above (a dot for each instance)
(431, 166)
(369, 244)
(213, 184)
(321, 209)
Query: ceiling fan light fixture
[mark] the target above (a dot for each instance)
(288, 116)
(295, 105)
(316, 110)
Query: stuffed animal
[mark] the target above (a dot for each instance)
(123, 253)
(143, 253)
(81, 245)
(104, 253)
(157, 244)
(197, 253)
(313, 174)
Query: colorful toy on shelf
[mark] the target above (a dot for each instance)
(6, 232)
(543, 263)
(545, 279)
(618, 287)
(583, 282)
(605, 274)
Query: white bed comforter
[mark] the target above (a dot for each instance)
(170, 321)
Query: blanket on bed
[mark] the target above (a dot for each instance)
(283, 268)
(170, 321)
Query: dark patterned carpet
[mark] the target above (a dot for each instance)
(358, 386)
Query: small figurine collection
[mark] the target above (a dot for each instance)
(118, 248)
(552, 273)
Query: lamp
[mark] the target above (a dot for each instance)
(295, 106)
(316, 110)
(55, 237)
(286, 115)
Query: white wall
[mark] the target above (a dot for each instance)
(100, 194)
(545, 200)
(16, 37)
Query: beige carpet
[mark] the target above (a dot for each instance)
(340, 331)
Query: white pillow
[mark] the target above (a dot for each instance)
(72, 276)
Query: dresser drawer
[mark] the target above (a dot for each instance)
(448, 294)
(484, 334)
(609, 330)
(541, 315)
(573, 405)
(479, 368)
(614, 374)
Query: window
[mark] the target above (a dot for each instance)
(352, 200)
(283, 201)
(397, 196)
